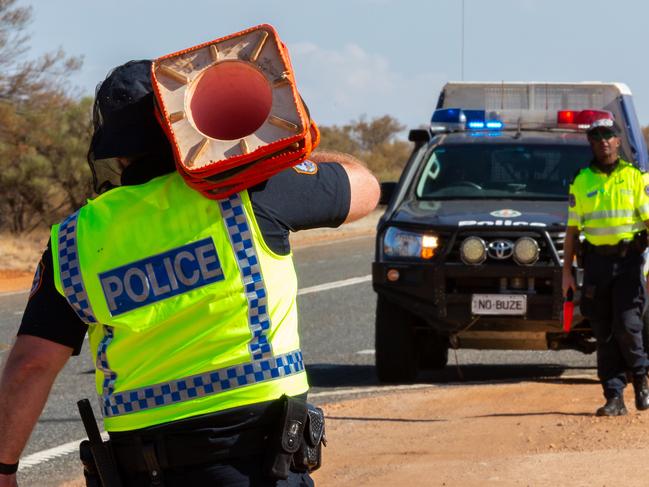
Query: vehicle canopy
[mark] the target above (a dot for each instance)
(541, 106)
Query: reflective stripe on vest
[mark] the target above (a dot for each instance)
(102, 362)
(201, 385)
(605, 214)
(71, 278)
(616, 230)
(253, 282)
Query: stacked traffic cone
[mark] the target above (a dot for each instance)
(231, 109)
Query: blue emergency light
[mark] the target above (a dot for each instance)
(460, 119)
(448, 115)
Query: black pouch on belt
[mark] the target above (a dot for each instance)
(286, 440)
(309, 456)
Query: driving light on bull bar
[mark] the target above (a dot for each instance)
(473, 251)
(402, 243)
(526, 251)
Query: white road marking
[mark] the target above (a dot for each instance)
(332, 285)
(17, 313)
(52, 454)
(366, 352)
(67, 448)
(358, 390)
(13, 293)
(329, 242)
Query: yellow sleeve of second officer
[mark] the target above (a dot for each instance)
(642, 196)
(574, 211)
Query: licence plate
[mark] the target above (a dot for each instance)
(498, 304)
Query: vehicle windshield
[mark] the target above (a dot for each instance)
(513, 171)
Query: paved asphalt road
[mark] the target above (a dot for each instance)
(337, 341)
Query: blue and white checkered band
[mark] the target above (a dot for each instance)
(253, 282)
(202, 385)
(102, 362)
(71, 278)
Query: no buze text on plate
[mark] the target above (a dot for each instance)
(499, 304)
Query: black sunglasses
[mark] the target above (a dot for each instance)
(597, 136)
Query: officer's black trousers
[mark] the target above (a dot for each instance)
(239, 472)
(614, 298)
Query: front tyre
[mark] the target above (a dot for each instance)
(433, 350)
(396, 357)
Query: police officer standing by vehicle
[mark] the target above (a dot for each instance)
(609, 204)
(192, 307)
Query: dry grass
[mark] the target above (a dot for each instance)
(22, 252)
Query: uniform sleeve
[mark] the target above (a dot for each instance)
(48, 314)
(575, 215)
(642, 196)
(306, 196)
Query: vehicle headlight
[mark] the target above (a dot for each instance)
(526, 251)
(473, 251)
(401, 243)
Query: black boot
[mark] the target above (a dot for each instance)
(614, 407)
(641, 389)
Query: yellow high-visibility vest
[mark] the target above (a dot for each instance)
(609, 208)
(190, 311)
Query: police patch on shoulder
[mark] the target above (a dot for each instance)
(572, 201)
(38, 279)
(306, 167)
(646, 189)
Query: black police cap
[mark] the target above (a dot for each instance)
(124, 118)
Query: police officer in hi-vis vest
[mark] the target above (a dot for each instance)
(190, 302)
(609, 204)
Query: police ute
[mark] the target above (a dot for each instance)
(470, 249)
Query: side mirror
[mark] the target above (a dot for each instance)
(419, 136)
(387, 190)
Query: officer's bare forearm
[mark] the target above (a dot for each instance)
(25, 383)
(569, 248)
(364, 188)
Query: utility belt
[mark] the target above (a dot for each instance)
(293, 443)
(621, 249)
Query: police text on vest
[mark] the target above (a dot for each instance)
(161, 276)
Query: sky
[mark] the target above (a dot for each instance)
(356, 58)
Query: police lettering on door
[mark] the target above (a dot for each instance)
(161, 276)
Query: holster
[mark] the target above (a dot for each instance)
(286, 439)
(309, 456)
(297, 442)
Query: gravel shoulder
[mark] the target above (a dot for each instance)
(519, 434)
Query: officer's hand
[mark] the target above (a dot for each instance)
(8, 481)
(568, 282)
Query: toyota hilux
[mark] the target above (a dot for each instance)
(470, 248)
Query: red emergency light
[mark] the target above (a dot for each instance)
(566, 117)
(580, 118)
(587, 117)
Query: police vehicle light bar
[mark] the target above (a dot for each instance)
(449, 119)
